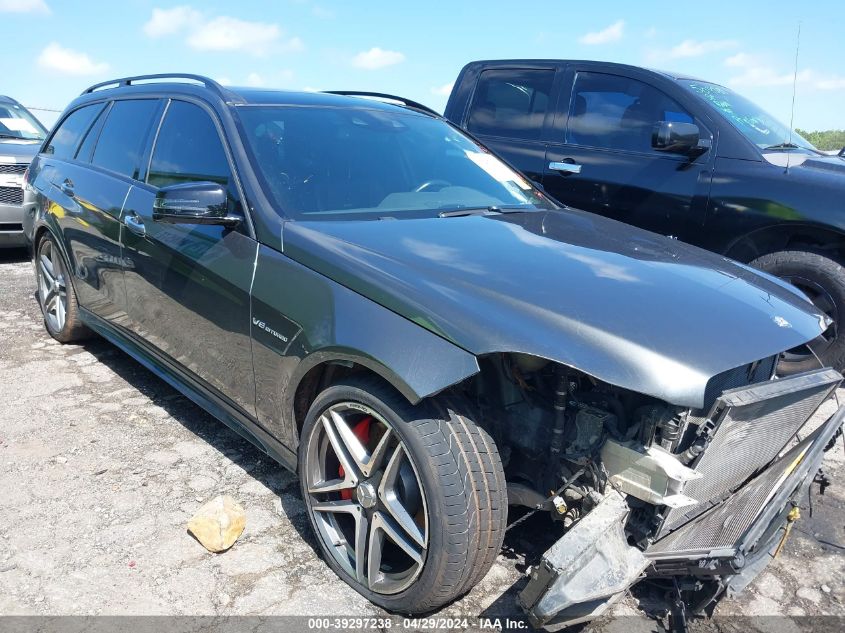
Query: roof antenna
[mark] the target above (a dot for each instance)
(794, 89)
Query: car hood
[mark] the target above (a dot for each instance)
(17, 151)
(626, 306)
(831, 165)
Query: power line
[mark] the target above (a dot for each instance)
(41, 109)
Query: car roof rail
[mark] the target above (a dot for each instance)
(128, 81)
(380, 95)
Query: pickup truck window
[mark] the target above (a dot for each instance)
(511, 103)
(616, 112)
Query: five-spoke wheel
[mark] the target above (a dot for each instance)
(366, 498)
(52, 285)
(56, 294)
(409, 503)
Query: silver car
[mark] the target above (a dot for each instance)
(20, 137)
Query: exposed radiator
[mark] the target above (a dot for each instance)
(753, 425)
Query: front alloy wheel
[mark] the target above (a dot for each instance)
(366, 498)
(409, 503)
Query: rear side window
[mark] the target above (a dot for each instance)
(616, 112)
(66, 138)
(87, 147)
(124, 135)
(511, 103)
(188, 149)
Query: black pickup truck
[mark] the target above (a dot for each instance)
(675, 155)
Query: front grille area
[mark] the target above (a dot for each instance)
(13, 169)
(753, 425)
(11, 195)
(722, 528)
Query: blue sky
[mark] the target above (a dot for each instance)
(53, 49)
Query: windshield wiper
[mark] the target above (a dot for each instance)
(454, 213)
(11, 136)
(782, 146)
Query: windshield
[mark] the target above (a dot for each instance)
(17, 122)
(760, 128)
(333, 163)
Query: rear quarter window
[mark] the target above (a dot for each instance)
(66, 138)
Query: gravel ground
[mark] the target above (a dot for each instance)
(102, 464)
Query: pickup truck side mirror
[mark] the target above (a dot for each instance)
(193, 203)
(677, 138)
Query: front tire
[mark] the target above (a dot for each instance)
(409, 503)
(822, 279)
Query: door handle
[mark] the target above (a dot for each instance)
(569, 168)
(67, 188)
(135, 224)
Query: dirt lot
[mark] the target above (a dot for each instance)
(102, 465)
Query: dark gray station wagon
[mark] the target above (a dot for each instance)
(381, 304)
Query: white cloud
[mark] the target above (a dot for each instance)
(444, 91)
(221, 33)
(740, 60)
(56, 57)
(231, 34)
(293, 45)
(696, 48)
(254, 80)
(831, 83)
(611, 34)
(24, 6)
(376, 58)
(755, 72)
(171, 21)
(323, 13)
(761, 76)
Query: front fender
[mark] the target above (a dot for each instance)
(302, 319)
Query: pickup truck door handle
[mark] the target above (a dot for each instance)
(135, 224)
(569, 168)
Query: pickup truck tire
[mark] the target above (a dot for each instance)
(453, 487)
(56, 295)
(822, 279)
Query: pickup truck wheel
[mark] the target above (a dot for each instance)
(822, 279)
(409, 503)
(56, 295)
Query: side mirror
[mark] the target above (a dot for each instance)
(194, 203)
(677, 138)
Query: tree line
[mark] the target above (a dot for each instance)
(825, 140)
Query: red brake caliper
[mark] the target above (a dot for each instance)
(362, 432)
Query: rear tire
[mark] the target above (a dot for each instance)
(823, 280)
(56, 295)
(462, 490)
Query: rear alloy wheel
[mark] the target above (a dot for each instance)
(823, 281)
(409, 505)
(56, 295)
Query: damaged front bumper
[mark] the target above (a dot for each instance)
(728, 537)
